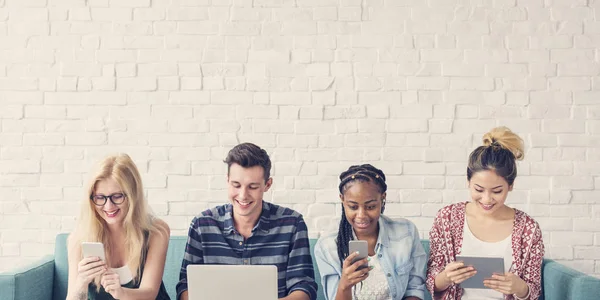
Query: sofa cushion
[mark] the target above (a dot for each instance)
(61, 267)
(173, 263)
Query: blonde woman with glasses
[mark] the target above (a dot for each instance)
(116, 214)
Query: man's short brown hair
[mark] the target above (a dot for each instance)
(249, 155)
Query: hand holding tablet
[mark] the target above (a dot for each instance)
(508, 284)
(485, 268)
(456, 272)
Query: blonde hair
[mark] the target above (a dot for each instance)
(500, 151)
(138, 221)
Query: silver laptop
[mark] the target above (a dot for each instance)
(232, 282)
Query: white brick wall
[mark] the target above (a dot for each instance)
(409, 86)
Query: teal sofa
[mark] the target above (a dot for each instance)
(47, 279)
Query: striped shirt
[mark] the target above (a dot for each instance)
(279, 238)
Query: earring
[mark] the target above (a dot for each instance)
(383, 206)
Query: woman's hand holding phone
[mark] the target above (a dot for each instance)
(88, 269)
(351, 274)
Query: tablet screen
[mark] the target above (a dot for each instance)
(485, 266)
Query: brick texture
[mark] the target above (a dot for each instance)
(409, 86)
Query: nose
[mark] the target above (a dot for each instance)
(361, 212)
(242, 194)
(109, 205)
(487, 197)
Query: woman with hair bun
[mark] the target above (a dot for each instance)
(486, 226)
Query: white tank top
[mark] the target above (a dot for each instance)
(472, 246)
(125, 275)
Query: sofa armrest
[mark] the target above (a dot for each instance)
(562, 282)
(588, 286)
(34, 281)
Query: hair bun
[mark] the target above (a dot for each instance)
(504, 138)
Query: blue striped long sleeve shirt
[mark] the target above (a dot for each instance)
(279, 238)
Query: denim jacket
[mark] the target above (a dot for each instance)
(400, 253)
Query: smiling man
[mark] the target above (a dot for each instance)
(251, 231)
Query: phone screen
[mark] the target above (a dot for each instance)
(93, 249)
(363, 251)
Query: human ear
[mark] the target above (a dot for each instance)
(268, 184)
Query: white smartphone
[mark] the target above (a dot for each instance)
(93, 249)
(362, 247)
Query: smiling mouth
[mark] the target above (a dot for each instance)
(112, 214)
(486, 206)
(362, 224)
(244, 204)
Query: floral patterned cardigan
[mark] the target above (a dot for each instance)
(446, 238)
